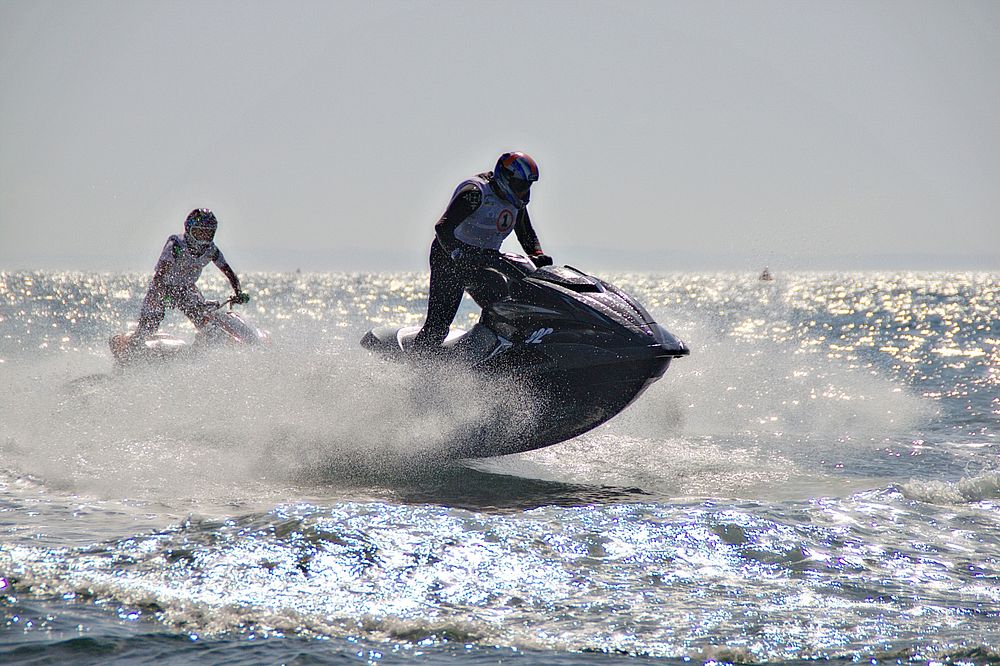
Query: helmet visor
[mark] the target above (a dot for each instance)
(519, 185)
(203, 234)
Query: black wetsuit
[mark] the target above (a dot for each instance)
(450, 278)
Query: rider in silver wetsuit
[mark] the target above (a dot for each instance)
(175, 277)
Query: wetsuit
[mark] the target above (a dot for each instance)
(467, 237)
(174, 284)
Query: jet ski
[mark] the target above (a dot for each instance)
(585, 349)
(221, 327)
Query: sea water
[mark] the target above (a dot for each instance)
(820, 479)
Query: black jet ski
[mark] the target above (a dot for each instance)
(221, 327)
(583, 347)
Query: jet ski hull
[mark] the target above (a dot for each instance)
(566, 403)
(224, 328)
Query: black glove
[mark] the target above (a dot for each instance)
(541, 260)
(241, 298)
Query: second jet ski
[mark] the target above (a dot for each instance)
(221, 327)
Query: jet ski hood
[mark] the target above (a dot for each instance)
(607, 305)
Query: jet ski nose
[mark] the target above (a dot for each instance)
(671, 345)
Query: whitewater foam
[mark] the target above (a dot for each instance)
(231, 419)
(968, 490)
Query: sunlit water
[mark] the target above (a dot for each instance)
(819, 479)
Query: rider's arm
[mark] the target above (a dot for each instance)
(227, 270)
(163, 265)
(231, 276)
(158, 283)
(526, 234)
(463, 204)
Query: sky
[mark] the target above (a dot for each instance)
(670, 135)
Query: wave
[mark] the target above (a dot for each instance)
(968, 490)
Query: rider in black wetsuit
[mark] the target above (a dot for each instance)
(482, 213)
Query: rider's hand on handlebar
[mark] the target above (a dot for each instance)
(241, 298)
(541, 260)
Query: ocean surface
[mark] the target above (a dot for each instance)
(819, 480)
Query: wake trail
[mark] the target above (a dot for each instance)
(234, 422)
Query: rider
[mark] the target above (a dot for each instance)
(177, 272)
(483, 211)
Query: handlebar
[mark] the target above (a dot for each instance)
(218, 305)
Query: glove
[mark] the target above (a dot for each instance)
(541, 260)
(241, 298)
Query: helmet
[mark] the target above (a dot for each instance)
(199, 228)
(515, 172)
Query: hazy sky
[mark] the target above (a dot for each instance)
(669, 134)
